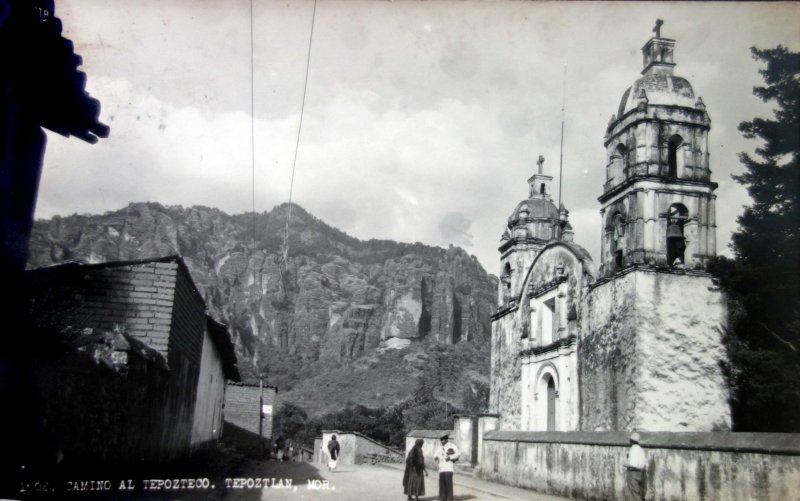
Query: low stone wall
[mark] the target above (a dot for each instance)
(352, 447)
(587, 465)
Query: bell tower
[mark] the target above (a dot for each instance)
(652, 354)
(658, 199)
(534, 222)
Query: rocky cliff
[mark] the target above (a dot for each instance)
(331, 309)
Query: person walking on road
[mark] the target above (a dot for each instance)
(635, 463)
(445, 457)
(414, 476)
(333, 453)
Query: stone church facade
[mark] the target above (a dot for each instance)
(633, 343)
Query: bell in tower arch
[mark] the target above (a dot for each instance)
(676, 245)
(676, 242)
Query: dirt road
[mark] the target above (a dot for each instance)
(233, 477)
(381, 483)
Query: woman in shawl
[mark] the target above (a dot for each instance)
(414, 476)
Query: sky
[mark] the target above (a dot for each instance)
(422, 120)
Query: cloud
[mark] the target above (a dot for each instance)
(421, 122)
(156, 151)
(454, 228)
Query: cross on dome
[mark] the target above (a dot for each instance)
(657, 28)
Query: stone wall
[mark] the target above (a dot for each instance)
(505, 369)
(465, 435)
(352, 447)
(581, 465)
(607, 357)
(649, 359)
(365, 446)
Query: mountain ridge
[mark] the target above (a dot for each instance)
(332, 303)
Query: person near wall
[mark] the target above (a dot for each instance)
(280, 445)
(414, 476)
(635, 463)
(333, 453)
(445, 458)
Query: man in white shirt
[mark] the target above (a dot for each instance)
(635, 464)
(445, 457)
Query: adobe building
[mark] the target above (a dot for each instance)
(634, 344)
(249, 413)
(131, 366)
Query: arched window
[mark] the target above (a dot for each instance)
(672, 155)
(622, 153)
(617, 239)
(506, 281)
(677, 215)
(542, 189)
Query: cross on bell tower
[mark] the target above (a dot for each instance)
(658, 52)
(657, 28)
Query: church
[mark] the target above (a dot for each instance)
(583, 353)
(632, 342)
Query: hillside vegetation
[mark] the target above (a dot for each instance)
(338, 321)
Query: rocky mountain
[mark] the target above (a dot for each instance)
(327, 315)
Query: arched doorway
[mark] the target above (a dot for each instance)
(542, 412)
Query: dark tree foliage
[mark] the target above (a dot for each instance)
(763, 281)
(476, 398)
(291, 421)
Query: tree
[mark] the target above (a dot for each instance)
(291, 421)
(763, 281)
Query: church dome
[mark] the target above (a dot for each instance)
(534, 208)
(659, 88)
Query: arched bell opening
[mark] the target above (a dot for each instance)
(616, 232)
(622, 155)
(677, 216)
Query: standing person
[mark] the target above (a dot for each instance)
(414, 476)
(445, 457)
(333, 453)
(635, 463)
